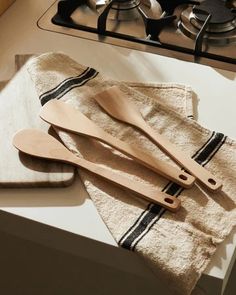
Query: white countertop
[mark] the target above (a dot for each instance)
(70, 208)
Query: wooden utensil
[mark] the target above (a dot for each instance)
(37, 143)
(62, 115)
(115, 103)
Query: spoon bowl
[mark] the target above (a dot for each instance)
(39, 144)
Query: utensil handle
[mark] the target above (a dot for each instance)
(64, 116)
(203, 175)
(167, 201)
(174, 174)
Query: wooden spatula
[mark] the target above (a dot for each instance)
(39, 144)
(119, 106)
(62, 115)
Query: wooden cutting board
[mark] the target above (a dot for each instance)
(19, 108)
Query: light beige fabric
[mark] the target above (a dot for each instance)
(178, 246)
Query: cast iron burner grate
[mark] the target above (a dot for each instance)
(220, 14)
(203, 30)
(211, 21)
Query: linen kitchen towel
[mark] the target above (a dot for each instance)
(177, 246)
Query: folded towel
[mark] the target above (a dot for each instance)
(177, 246)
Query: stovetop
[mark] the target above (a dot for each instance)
(197, 31)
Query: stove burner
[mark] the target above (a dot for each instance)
(202, 31)
(220, 14)
(222, 19)
(124, 10)
(211, 19)
(149, 11)
(129, 10)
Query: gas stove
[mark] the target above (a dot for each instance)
(196, 31)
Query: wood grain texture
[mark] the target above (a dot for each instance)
(19, 108)
(119, 106)
(40, 144)
(62, 115)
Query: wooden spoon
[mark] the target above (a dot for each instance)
(62, 115)
(39, 144)
(115, 103)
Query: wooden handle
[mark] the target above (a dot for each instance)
(203, 175)
(174, 174)
(39, 144)
(169, 202)
(119, 106)
(64, 116)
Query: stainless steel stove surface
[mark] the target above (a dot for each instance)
(198, 31)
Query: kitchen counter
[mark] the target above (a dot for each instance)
(70, 209)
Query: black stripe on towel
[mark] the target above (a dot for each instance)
(63, 82)
(154, 212)
(68, 84)
(211, 149)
